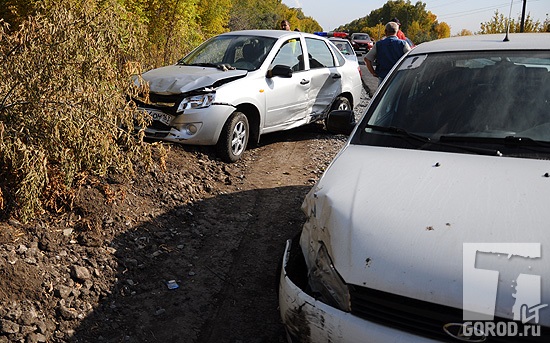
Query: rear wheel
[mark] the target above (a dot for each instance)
(233, 138)
(341, 103)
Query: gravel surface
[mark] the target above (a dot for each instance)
(189, 253)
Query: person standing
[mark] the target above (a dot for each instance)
(285, 25)
(386, 52)
(400, 33)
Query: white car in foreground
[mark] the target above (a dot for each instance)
(239, 85)
(433, 222)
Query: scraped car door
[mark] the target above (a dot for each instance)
(286, 98)
(326, 79)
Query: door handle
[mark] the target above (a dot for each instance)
(336, 76)
(304, 82)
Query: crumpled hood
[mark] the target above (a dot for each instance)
(396, 220)
(177, 79)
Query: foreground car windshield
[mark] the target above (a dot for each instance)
(498, 100)
(240, 52)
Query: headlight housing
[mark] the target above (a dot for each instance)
(196, 101)
(325, 281)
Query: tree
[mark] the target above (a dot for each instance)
(498, 24)
(417, 23)
(214, 16)
(255, 14)
(465, 32)
(443, 30)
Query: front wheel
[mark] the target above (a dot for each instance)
(233, 138)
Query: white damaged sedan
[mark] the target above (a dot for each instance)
(432, 223)
(239, 85)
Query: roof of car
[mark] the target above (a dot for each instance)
(338, 39)
(271, 33)
(516, 41)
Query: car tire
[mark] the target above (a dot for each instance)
(233, 138)
(341, 103)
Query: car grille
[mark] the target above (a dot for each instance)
(362, 45)
(418, 317)
(165, 103)
(159, 126)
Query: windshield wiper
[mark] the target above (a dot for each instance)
(428, 141)
(508, 141)
(525, 142)
(222, 66)
(401, 132)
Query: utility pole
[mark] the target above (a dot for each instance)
(522, 24)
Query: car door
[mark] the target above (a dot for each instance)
(287, 98)
(326, 79)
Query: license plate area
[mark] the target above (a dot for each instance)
(160, 116)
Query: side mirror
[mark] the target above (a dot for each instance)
(279, 70)
(340, 122)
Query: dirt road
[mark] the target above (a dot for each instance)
(186, 253)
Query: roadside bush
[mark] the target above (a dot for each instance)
(64, 76)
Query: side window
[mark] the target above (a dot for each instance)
(319, 54)
(340, 60)
(290, 55)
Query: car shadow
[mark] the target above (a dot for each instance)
(307, 132)
(206, 271)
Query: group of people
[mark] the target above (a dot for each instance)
(386, 52)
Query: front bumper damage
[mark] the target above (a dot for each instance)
(198, 126)
(309, 320)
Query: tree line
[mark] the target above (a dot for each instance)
(65, 66)
(421, 25)
(174, 27)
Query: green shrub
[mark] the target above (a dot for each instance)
(64, 76)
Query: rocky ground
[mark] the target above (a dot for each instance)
(185, 254)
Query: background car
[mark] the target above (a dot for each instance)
(345, 48)
(361, 42)
(239, 85)
(431, 224)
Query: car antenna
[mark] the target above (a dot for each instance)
(506, 39)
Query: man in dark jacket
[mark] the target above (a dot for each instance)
(386, 52)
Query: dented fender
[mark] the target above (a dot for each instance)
(309, 320)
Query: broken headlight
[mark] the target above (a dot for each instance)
(325, 281)
(196, 101)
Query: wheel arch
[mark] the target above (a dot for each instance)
(346, 95)
(253, 115)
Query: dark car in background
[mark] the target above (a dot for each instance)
(361, 42)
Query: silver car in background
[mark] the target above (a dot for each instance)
(345, 48)
(240, 85)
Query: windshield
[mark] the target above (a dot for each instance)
(361, 37)
(239, 52)
(344, 46)
(477, 98)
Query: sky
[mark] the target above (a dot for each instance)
(458, 14)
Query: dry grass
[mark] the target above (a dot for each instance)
(64, 76)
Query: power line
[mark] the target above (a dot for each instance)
(479, 10)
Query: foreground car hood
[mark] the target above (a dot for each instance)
(177, 79)
(396, 220)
